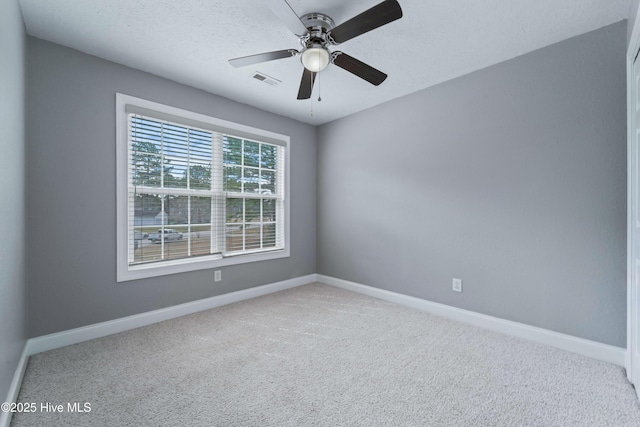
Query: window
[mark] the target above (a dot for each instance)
(196, 192)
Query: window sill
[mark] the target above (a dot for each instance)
(143, 271)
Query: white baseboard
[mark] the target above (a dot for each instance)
(595, 350)
(98, 330)
(14, 387)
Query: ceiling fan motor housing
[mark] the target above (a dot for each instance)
(318, 25)
(315, 56)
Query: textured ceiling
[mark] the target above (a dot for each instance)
(190, 41)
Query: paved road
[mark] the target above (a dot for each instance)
(194, 235)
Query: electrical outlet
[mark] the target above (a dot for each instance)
(217, 275)
(457, 285)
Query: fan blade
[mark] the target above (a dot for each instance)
(306, 85)
(359, 68)
(288, 16)
(377, 16)
(262, 57)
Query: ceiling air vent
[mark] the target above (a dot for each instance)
(266, 79)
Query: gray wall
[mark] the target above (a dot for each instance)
(633, 11)
(12, 200)
(512, 178)
(71, 192)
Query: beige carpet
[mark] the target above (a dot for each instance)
(321, 356)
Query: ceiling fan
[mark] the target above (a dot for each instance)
(316, 32)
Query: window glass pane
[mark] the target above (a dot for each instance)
(234, 237)
(268, 210)
(243, 230)
(175, 244)
(268, 156)
(251, 180)
(200, 146)
(147, 251)
(175, 140)
(252, 210)
(146, 169)
(235, 211)
(268, 182)
(177, 209)
(175, 173)
(146, 135)
(232, 149)
(251, 153)
(268, 235)
(146, 218)
(143, 250)
(252, 236)
(233, 178)
(200, 237)
(250, 224)
(200, 176)
(146, 210)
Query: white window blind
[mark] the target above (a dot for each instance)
(175, 191)
(254, 195)
(198, 192)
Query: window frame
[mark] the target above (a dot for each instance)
(126, 104)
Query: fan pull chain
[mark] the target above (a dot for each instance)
(319, 98)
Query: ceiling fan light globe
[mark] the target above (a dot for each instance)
(315, 59)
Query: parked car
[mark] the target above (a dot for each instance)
(168, 235)
(137, 235)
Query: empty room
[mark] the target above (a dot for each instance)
(319, 213)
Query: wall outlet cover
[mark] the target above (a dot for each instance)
(217, 275)
(457, 285)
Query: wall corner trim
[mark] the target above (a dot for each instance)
(592, 349)
(14, 388)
